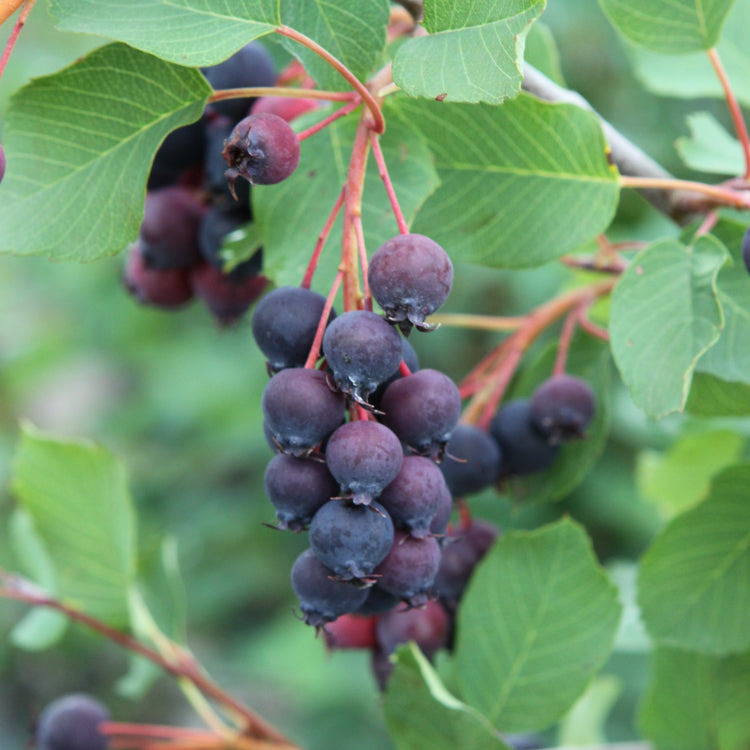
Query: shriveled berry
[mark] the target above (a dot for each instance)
(321, 598)
(362, 351)
(263, 149)
(561, 408)
(471, 462)
(165, 288)
(218, 129)
(72, 723)
(300, 410)
(351, 539)
(364, 457)
(410, 277)
(284, 325)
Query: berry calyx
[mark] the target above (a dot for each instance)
(263, 149)
(561, 408)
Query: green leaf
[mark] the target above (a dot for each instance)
(39, 629)
(691, 76)
(290, 215)
(664, 316)
(710, 148)
(729, 358)
(473, 53)
(681, 477)
(541, 51)
(675, 27)
(79, 145)
(186, 32)
(694, 581)
(355, 33)
(589, 359)
(420, 712)
(584, 724)
(76, 494)
(713, 397)
(522, 184)
(537, 622)
(695, 702)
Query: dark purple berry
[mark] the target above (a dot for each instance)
(423, 410)
(443, 516)
(298, 488)
(169, 232)
(351, 539)
(2, 163)
(561, 408)
(471, 461)
(462, 551)
(415, 495)
(300, 409)
(322, 599)
(362, 351)
(364, 457)
(524, 450)
(250, 66)
(746, 249)
(378, 601)
(410, 277)
(168, 288)
(227, 298)
(215, 226)
(263, 149)
(410, 567)
(72, 723)
(427, 626)
(218, 130)
(284, 325)
(182, 150)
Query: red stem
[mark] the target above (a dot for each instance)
(721, 196)
(734, 108)
(20, 21)
(359, 231)
(708, 223)
(403, 368)
(342, 112)
(284, 91)
(122, 729)
(593, 329)
(566, 336)
(322, 237)
(377, 152)
(312, 357)
(356, 84)
(502, 381)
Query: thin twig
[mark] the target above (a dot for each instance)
(20, 21)
(359, 231)
(478, 322)
(325, 122)
(322, 237)
(377, 152)
(283, 91)
(312, 357)
(721, 196)
(566, 335)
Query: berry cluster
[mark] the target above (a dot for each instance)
(72, 723)
(194, 202)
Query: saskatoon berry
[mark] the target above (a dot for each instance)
(423, 410)
(182, 149)
(364, 457)
(298, 488)
(214, 166)
(463, 549)
(471, 460)
(217, 224)
(561, 408)
(250, 66)
(284, 325)
(350, 631)
(169, 232)
(351, 539)
(72, 723)
(165, 288)
(263, 149)
(321, 598)
(410, 277)
(300, 409)
(227, 298)
(286, 107)
(409, 357)
(745, 249)
(362, 351)
(2, 163)
(381, 667)
(410, 567)
(524, 450)
(377, 602)
(415, 495)
(427, 626)
(443, 516)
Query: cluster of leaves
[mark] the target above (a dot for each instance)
(513, 187)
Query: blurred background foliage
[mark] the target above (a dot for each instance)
(179, 401)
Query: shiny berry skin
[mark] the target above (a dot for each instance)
(263, 149)
(561, 408)
(164, 288)
(410, 278)
(72, 723)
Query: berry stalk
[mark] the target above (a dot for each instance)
(284, 91)
(720, 196)
(7, 9)
(322, 237)
(377, 152)
(312, 358)
(339, 113)
(566, 336)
